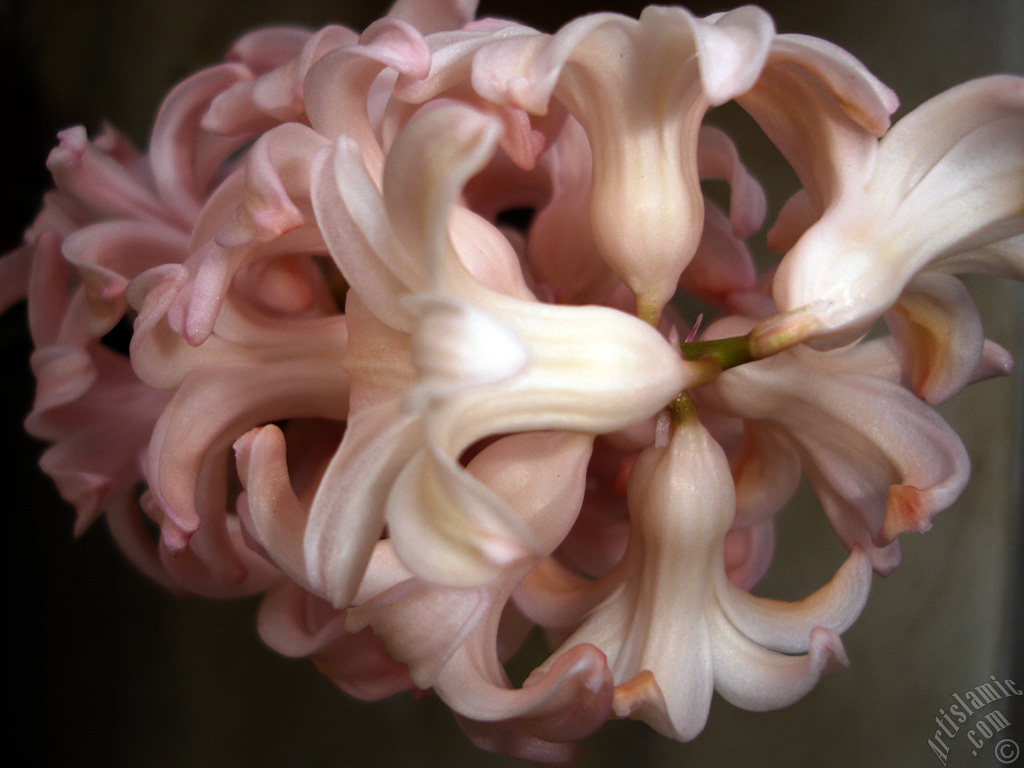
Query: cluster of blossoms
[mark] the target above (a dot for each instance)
(422, 431)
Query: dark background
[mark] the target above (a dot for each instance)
(108, 670)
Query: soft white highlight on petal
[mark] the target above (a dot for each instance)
(456, 346)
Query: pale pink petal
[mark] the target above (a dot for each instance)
(748, 553)
(615, 75)
(183, 165)
(510, 737)
(109, 254)
(447, 637)
(787, 627)
(296, 623)
(14, 275)
(555, 596)
(264, 49)
(85, 399)
(216, 405)
(527, 492)
(1004, 258)
(337, 85)
(880, 460)
(217, 563)
(47, 290)
(98, 182)
(64, 373)
(434, 15)
(867, 100)
(948, 179)
(995, 361)
(277, 173)
(347, 515)
(717, 158)
(722, 264)
(938, 334)
(211, 269)
(796, 217)
(269, 510)
(748, 676)
(275, 96)
(350, 214)
(766, 469)
(561, 247)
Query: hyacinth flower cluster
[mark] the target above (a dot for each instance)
(423, 428)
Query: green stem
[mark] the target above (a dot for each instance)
(728, 353)
(682, 409)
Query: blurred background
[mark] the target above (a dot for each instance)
(109, 670)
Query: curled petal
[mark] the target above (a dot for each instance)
(269, 509)
(407, 617)
(995, 361)
(349, 211)
(554, 596)
(84, 399)
(824, 111)
(269, 47)
(187, 434)
(109, 254)
(277, 170)
(452, 530)
(337, 85)
(347, 515)
(867, 100)
(48, 295)
(510, 737)
(1004, 258)
(938, 334)
(766, 468)
(100, 183)
(182, 164)
(753, 678)
(787, 627)
(561, 248)
(517, 498)
(211, 269)
(296, 623)
(216, 560)
(14, 275)
(280, 57)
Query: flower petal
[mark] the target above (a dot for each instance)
(948, 179)
(787, 627)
